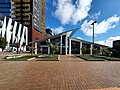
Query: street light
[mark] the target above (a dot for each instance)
(93, 35)
(93, 30)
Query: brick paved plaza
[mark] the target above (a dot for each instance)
(59, 75)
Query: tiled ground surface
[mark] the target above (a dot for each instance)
(58, 75)
(70, 58)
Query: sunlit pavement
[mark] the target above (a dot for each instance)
(57, 75)
(3, 54)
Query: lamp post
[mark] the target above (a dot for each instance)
(93, 33)
(93, 30)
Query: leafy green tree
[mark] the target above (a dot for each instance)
(17, 45)
(3, 43)
(106, 52)
(31, 49)
(96, 51)
(84, 50)
(53, 47)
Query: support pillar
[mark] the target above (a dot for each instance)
(35, 48)
(66, 45)
(69, 46)
(91, 49)
(80, 48)
(61, 44)
(101, 50)
(48, 47)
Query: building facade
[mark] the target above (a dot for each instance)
(116, 48)
(30, 13)
(67, 44)
(13, 31)
(5, 6)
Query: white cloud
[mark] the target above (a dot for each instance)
(109, 41)
(96, 15)
(67, 12)
(57, 30)
(101, 27)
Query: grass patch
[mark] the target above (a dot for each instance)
(42, 58)
(88, 57)
(111, 58)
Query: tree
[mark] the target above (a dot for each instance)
(96, 51)
(31, 49)
(17, 45)
(53, 47)
(3, 43)
(106, 52)
(84, 50)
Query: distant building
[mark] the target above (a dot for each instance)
(67, 44)
(30, 13)
(116, 48)
(13, 31)
(5, 7)
(49, 32)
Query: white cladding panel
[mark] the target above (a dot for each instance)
(14, 32)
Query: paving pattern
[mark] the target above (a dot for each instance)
(57, 75)
(70, 58)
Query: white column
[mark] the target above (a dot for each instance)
(80, 48)
(91, 47)
(61, 44)
(35, 48)
(48, 47)
(69, 46)
(66, 44)
(101, 50)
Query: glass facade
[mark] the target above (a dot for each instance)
(5, 6)
(39, 14)
(30, 13)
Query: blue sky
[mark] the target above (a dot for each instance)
(63, 15)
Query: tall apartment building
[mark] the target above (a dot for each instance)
(5, 6)
(30, 13)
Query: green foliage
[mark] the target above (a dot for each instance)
(106, 52)
(53, 47)
(96, 51)
(17, 45)
(84, 50)
(31, 49)
(3, 42)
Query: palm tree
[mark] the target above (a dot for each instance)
(84, 50)
(53, 47)
(106, 52)
(96, 51)
(16, 45)
(31, 49)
